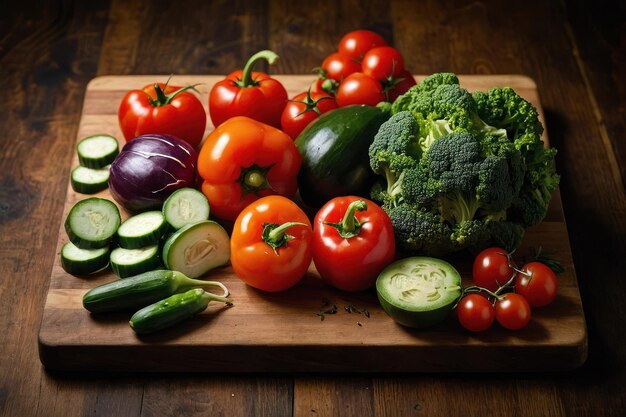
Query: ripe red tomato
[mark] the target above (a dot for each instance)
(537, 283)
(338, 66)
(491, 268)
(475, 313)
(406, 81)
(383, 63)
(513, 311)
(359, 88)
(356, 43)
(303, 109)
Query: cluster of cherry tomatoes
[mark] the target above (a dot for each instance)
(490, 298)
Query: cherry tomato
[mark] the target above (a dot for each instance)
(383, 63)
(338, 66)
(355, 44)
(359, 88)
(303, 109)
(271, 244)
(513, 311)
(401, 85)
(475, 313)
(491, 268)
(353, 240)
(247, 93)
(165, 109)
(537, 283)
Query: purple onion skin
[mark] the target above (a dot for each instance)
(149, 168)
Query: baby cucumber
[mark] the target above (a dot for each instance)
(172, 310)
(92, 223)
(141, 290)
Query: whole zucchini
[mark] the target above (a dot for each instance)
(141, 290)
(172, 310)
(334, 151)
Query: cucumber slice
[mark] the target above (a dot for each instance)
(418, 291)
(89, 181)
(142, 230)
(129, 262)
(197, 248)
(92, 223)
(185, 206)
(97, 151)
(77, 261)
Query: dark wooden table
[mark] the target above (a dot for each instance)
(574, 50)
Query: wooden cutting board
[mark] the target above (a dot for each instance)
(282, 332)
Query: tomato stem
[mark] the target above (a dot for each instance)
(276, 235)
(350, 225)
(163, 99)
(246, 76)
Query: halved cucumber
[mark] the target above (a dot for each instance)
(97, 151)
(185, 206)
(89, 181)
(92, 223)
(129, 262)
(77, 261)
(197, 248)
(418, 291)
(141, 230)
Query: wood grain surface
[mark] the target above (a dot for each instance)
(573, 49)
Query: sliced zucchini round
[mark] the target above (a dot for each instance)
(89, 181)
(141, 230)
(418, 291)
(129, 262)
(197, 248)
(92, 223)
(185, 206)
(97, 151)
(77, 261)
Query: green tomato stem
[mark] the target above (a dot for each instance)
(246, 76)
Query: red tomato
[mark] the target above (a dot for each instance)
(491, 268)
(513, 311)
(401, 85)
(355, 44)
(359, 88)
(383, 63)
(338, 66)
(303, 109)
(271, 244)
(537, 283)
(165, 109)
(252, 94)
(475, 313)
(353, 241)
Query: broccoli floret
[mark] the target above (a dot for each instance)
(420, 231)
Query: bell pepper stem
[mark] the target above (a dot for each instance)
(246, 76)
(350, 225)
(276, 235)
(254, 179)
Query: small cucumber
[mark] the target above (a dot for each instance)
(172, 310)
(92, 223)
(197, 248)
(89, 181)
(129, 262)
(97, 151)
(185, 206)
(141, 290)
(77, 261)
(418, 291)
(141, 230)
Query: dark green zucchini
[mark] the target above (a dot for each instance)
(334, 151)
(173, 310)
(141, 290)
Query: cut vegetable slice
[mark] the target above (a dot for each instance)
(418, 291)
(129, 262)
(142, 230)
(89, 181)
(92, 223)
(185, 206)
(77, 261)
(97, 151)
(197, 248)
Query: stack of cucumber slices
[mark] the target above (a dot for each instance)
(95, 154)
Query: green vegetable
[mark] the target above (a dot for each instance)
(97, 151)
(334, 154)
(141, 290)
(141, 230)
(419, 291)
(89, 181)
(75, 260)
(92, 223)
(173, 310)
(129, 262)
(461, 170)
(185, 206)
